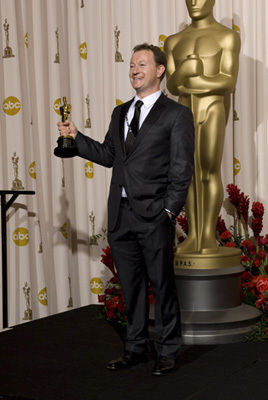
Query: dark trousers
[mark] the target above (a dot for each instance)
(142, 249)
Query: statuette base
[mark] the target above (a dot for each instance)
(28, 315)
(66, 147)
(8, 52)
(17, 185)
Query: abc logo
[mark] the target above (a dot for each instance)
(31, 170)
(96, 285)
(42, 296)
(11, 105)
(236, 28)
(20, 236)
(161, 41)
(26, 39)
(89, 169)
(83, 50)
(237, 166)
(118, 102)
(57, 105)
(64, 230)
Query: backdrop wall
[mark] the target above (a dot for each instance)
(81, 49)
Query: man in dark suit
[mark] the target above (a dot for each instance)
(152, 169)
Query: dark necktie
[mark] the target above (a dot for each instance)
(133, 127)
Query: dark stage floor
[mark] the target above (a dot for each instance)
(65, 357)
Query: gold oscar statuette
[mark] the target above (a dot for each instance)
(66, 147)
(202, 70)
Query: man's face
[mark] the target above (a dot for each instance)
(144, 74)
(199, 9)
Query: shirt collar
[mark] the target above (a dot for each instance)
(149, 100)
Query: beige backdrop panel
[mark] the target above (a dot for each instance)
(49, 245)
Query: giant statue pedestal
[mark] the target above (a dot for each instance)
(209, 291)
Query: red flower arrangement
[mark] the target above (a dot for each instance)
(256, 223)
(182, 220)
(241, 204)
(113, 298)
(254, 283)
(221, 227)
(107, 259)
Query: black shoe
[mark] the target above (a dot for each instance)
(127, 360)
(163, 366)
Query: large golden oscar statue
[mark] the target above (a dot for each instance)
(202, 70)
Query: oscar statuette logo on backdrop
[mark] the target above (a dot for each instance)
(16, 184)
(57, 55)
(28, 314)
(8, 50)
(88, 120)
(118, 55)
(70, 300)
(92, 238)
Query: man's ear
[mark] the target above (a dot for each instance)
(160, 70)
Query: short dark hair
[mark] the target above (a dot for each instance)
(160, 57)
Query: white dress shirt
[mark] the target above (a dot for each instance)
(148, 103)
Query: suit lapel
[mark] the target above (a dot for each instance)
(122, 117)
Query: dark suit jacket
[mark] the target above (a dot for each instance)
(157, 172)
